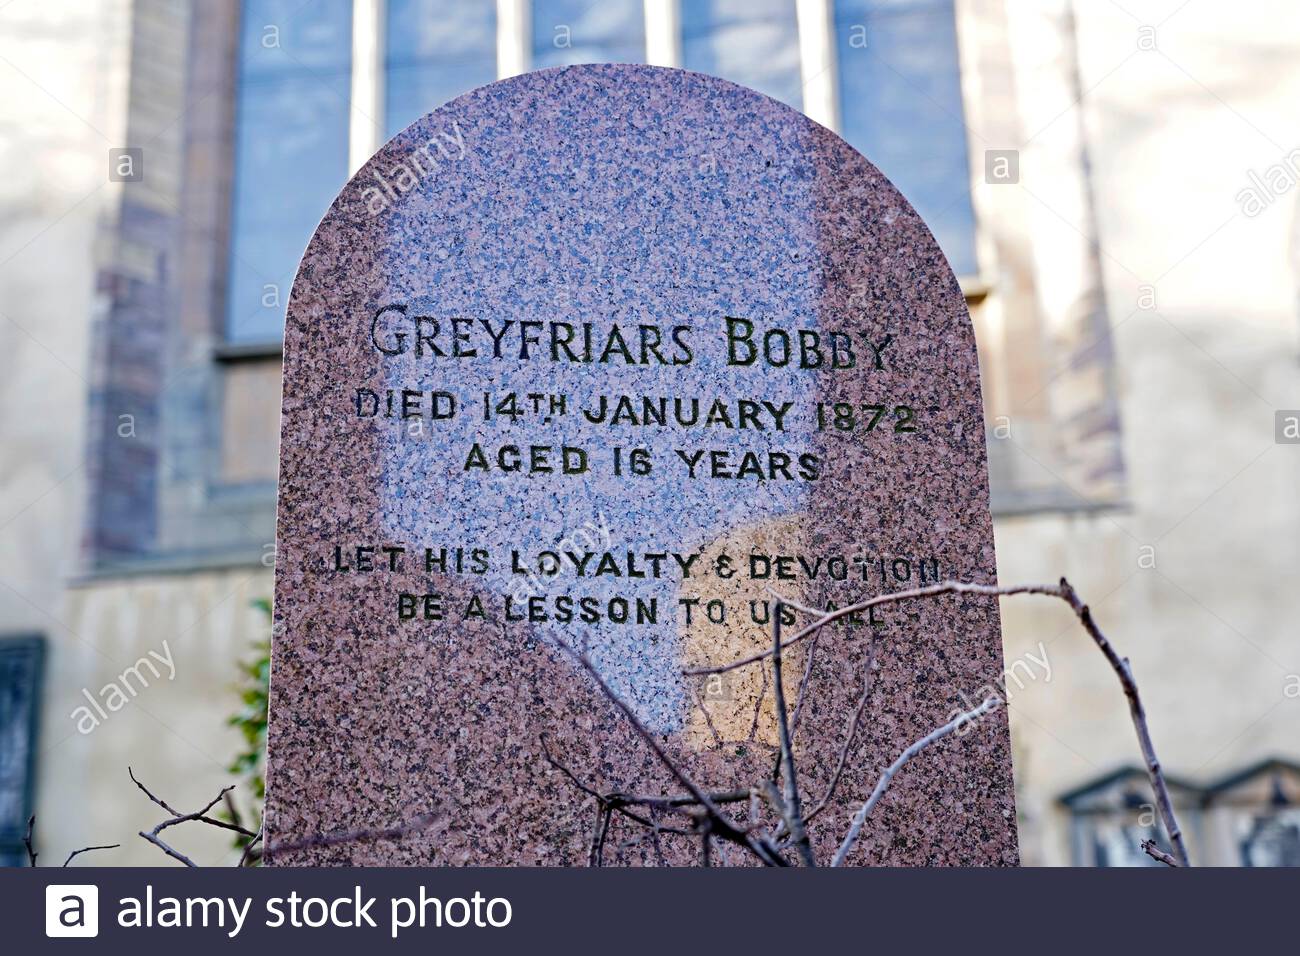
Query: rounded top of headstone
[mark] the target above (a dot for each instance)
(648, 158)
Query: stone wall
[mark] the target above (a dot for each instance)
(1207, 614)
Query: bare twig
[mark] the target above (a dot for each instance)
(792, 812)
(720, 825)
(177, 817)
(655, 813)
(32, 854)
(364, 835)
(1125, 673)
(772, 797)
(758, 709)
(620, 802)
(27, 840)
(708, 718)
(802, 695)
(851, 733)
(87, 849)
(599, 832)
(829, 617)
(247, 856)
(201, 816)
(1153, 851)
(233, 810)
(855, 828)
(1066, 593)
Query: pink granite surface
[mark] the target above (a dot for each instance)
(623, 196)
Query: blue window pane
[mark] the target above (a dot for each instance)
(291, 150)
(900, 105)
(588, 31)
(436, 50)
(751, 42)
(21, 667)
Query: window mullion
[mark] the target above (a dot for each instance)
(817, 61)
(366, 121)
(514, 40)
(663, 33)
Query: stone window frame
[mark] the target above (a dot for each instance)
(157, 500)
(1117, 812)
(1217, 816)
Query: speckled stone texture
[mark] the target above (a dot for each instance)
(628, 197)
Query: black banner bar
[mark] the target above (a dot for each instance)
(646, 911)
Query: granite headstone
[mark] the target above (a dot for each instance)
(609, 355)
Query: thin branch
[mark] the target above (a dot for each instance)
(1156, 853)
(700, 796)
(233, 810)
(247, 856)
(152, 837)
(721, 826)
(851, 733)
(32, 854)
(855, 828)
(708, 718)
(201, 816)
(772, 797)
(793, 814)
(597, 854)
(620, 804)
(802, 694)
(27, 840)
(177, 817)
(366, 835)
(654, 836)
(546, 752)
(830, 617)
(675, 803)
(630, 799)
(758, 708)
(804, 682)
(1125, 673)
(161, 803)
(87, 849)
(1066, 593)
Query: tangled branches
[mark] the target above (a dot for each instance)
(700, 812)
